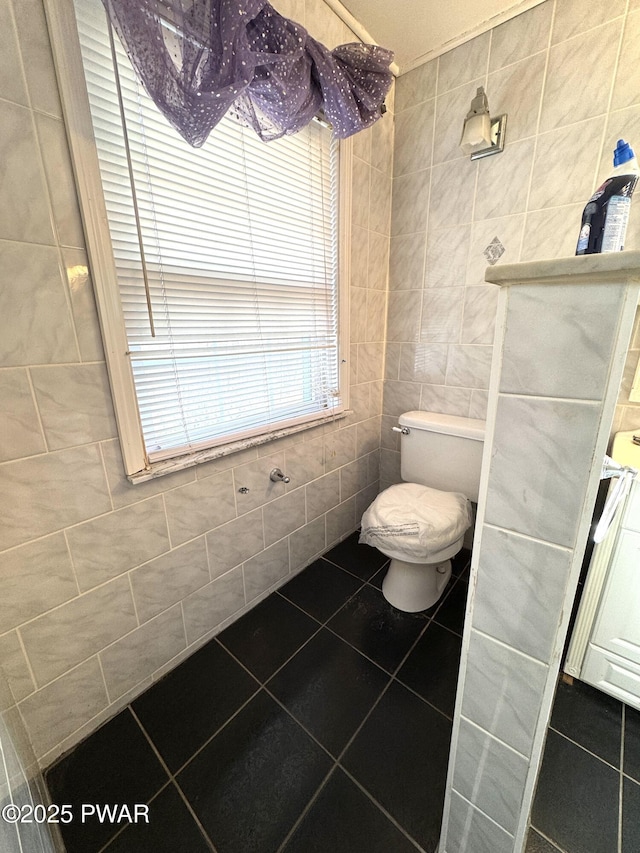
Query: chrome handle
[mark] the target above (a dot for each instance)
(626, 475)
(402, 430)
(611, 468)
(276, 476)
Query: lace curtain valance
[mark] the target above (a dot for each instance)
(199, 59)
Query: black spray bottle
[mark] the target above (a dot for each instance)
(605, 218)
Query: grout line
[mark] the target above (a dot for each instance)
(477, 808)
(36, 406)
(547, 839)
(360, 652)
(307, 808)
(583, 748)
(387, 814)
(56, 450)
(426, 701)
(34, 681)
(536, 135)
(353, 575)
(547, 398)
(488, 65)
(184, 631)
(166, 521)
(495, 737)
(445, 627)
(71, 561)
(326, 625)
(291, 656)
(509, 648)
(590, 29)
(301, 725)
(172, 779)
(621, 785)
(110, 701)
(193, 815)
(45, 182)
(262, 686)
(118, 833)
(393, 674)
(135, 605)
(211, 737)
(565, 548)
(150, 741)
(206, 544)
(614, 77)
(391, 678)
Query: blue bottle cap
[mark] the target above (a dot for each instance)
(623, 153)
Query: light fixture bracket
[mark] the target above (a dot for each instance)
(498, 130)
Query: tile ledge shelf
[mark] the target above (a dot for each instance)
(616, 267)
(198, 457)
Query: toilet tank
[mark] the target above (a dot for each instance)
(442, 451)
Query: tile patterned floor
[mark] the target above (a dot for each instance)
(588, 794)
(320, 721)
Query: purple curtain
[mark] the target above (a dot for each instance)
(198, 59)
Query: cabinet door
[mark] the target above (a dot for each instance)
(612, 661)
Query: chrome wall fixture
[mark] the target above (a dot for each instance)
(276, 476)
(481, 134)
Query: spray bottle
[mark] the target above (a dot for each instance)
(605, 218)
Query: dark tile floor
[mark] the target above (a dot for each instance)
(319, 721)
(588, 794)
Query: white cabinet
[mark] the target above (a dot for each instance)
(612, 658)
(605, 642)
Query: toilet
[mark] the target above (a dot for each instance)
(421, 522)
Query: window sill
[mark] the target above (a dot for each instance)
(170, 466)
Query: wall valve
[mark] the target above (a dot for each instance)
(277, 476)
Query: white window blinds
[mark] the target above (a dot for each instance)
(238, 245)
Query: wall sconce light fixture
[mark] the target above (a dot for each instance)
(481, 134)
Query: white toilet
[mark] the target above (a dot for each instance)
(421, 523)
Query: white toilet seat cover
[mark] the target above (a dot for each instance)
(410, 522)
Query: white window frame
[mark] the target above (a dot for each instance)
(77, 116)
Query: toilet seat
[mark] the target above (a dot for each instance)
(416, 524)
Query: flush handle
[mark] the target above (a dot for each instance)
(401, 430)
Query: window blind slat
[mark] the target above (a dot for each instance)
(240, 255)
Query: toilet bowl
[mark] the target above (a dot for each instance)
(420, 524)
(413, 587)
(420, 529)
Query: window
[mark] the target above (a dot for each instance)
(221, 311)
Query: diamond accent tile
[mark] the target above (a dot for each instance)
(494, 251)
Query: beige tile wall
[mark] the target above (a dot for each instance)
(628, 412)
(105, 585)
(568, 78)
(548, 426)
(72, 523)
(21, 780)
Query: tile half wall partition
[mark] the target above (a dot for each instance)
(562, 336)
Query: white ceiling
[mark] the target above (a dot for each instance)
(418, 30)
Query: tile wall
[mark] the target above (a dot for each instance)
(628, 412)
(560, 354)
(569, 83)
(105, 586)
(568, 79)
(85, 591)
(21, 782)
